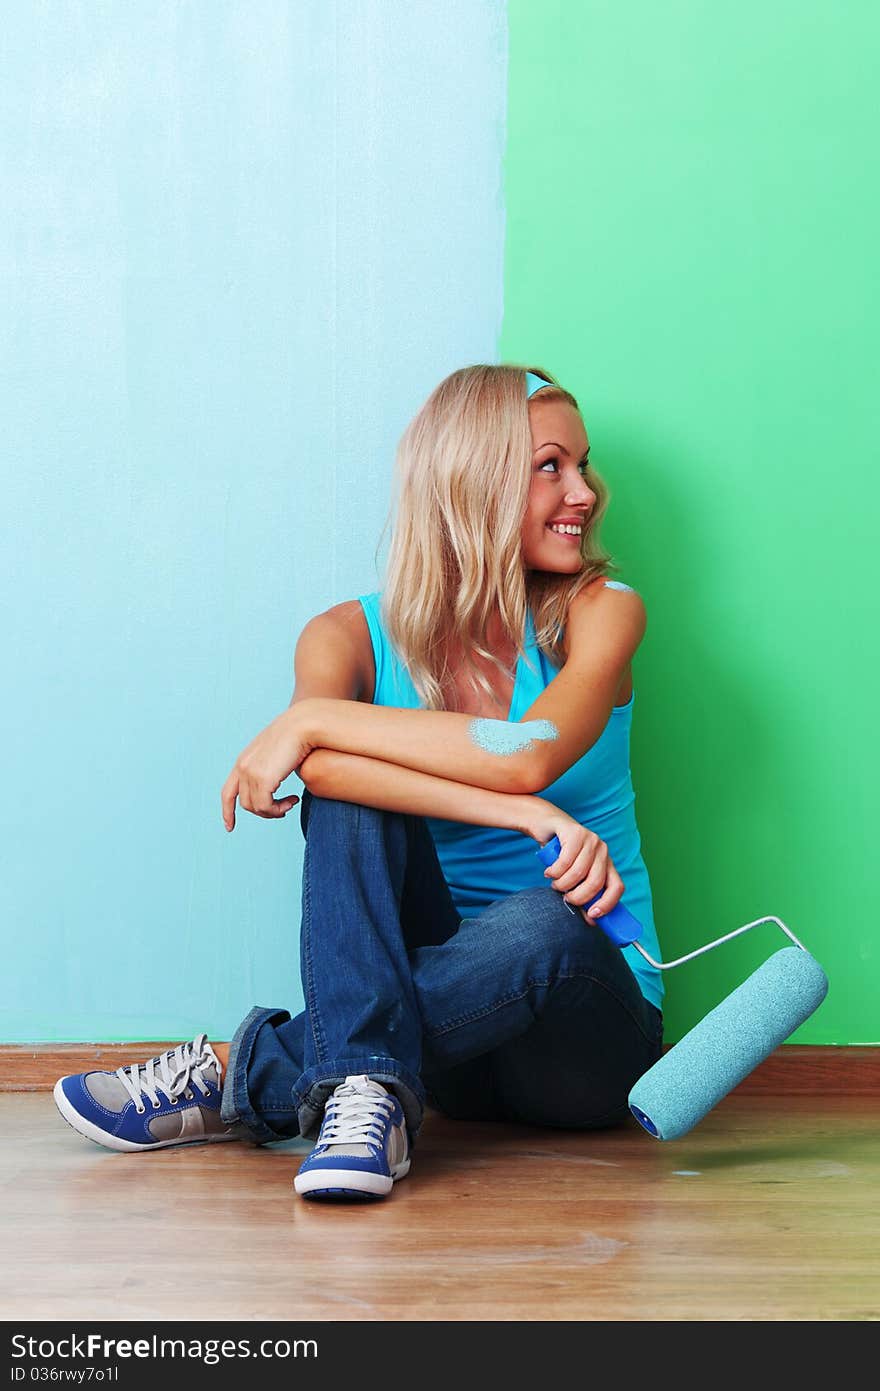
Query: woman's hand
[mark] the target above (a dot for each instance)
(259, 770)
(584, 867)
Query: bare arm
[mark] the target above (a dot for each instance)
(346, 777)
(468, 756)
(328, 661)
(603, 631)
(329, 676)
(583, 869)
(495, 755)
(523, 756)
(327, 665)
(490, 785)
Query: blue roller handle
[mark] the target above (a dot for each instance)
(619, 923)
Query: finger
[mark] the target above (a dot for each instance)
(566, 871)
(227, 801)
(589, 867)
(614, 887)
(570, 851)
(551, 870)
(265, 805)
(262, 798)
(265, 802)
(246, 794)
(597, 878)
(256, 797)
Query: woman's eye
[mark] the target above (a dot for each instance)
(583, 466)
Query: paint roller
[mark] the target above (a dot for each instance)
(694, 1075)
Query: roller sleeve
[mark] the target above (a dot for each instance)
(680, 1089)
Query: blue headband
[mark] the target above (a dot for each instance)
(534, 383)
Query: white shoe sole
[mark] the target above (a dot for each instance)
(349, 1181)
(112, 1142)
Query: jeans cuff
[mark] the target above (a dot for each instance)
(315, 1085)
(235, 1103)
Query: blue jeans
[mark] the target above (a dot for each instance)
(524, 1013)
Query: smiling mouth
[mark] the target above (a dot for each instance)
(564, 535)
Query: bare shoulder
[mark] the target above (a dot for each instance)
(334, 655)
(605, 600)
(349, 616)
(606, 612)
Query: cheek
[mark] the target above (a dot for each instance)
(534, 524)
(535, 514)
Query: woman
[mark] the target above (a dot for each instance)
(439, 965)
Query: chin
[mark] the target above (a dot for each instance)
(557, 568)
(552, 559)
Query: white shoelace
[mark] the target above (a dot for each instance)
(353, 1117)
(188, 1059)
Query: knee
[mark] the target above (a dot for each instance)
(320, 816)
(535, 925)
(317, 811)
(351, 827)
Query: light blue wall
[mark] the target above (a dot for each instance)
(240, 243)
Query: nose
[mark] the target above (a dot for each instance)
(580, 494)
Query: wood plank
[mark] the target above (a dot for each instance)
(26, 1067)
(767, 1210)
(802, 1070)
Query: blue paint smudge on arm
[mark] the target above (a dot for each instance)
(506, 737)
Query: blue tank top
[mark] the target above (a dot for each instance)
(483, 863)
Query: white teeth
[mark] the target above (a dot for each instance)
(567, 530)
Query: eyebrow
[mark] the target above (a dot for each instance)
(561, 447)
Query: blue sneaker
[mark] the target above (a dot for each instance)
(170, 1100)
(362, 1147)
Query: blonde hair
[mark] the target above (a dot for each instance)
(462, 480)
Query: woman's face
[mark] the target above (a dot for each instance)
(559, 490)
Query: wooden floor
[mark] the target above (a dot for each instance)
(768, 1210)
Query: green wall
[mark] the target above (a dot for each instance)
(691, 245)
